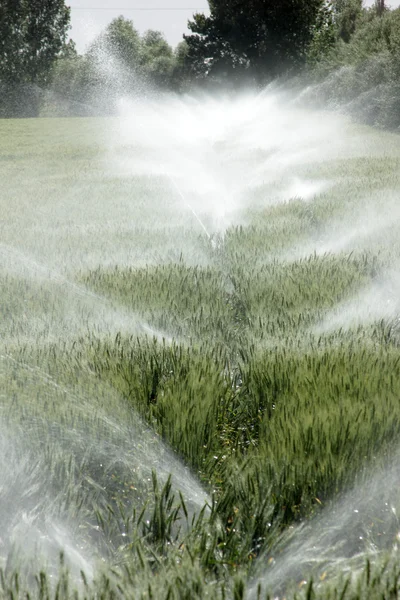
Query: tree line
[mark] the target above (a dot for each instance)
(40, 67)
(240, 43)
(119, 62)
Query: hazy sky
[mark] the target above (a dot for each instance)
(89, 17)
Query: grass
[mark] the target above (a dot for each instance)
(178, 412)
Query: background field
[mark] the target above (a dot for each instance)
(199, 355)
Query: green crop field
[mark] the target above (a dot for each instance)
(199, 355)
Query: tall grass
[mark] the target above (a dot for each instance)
(173, 408)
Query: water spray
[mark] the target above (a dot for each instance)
(188, 205)
(78, 290)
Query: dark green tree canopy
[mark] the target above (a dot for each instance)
(32, 35)
(262, 37)
(346, 14)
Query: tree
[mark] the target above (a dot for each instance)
(158, 59)
(119, 42)
(68, 51)
(337, 22)
(259, 37)
(181, 75)
(154, 45)
(12, 16)
(380, 7)
(32, 34)
(119, 62)
(68, 92)
(346, 13)
(125, 62)
(111, 65)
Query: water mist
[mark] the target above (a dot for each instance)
(160, 181)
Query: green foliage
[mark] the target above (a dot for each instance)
(154, 45)
(374, 36)
(362, 75)
(157, 59)
(337, 21)
(119, 62)
(346, 14)
(261, 41)
(68, 87)
(12, 16)
(355, 64)
(120, 41)
(273, 411)
(110, 67)
(32, 35)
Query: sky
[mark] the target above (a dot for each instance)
(90, 17)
